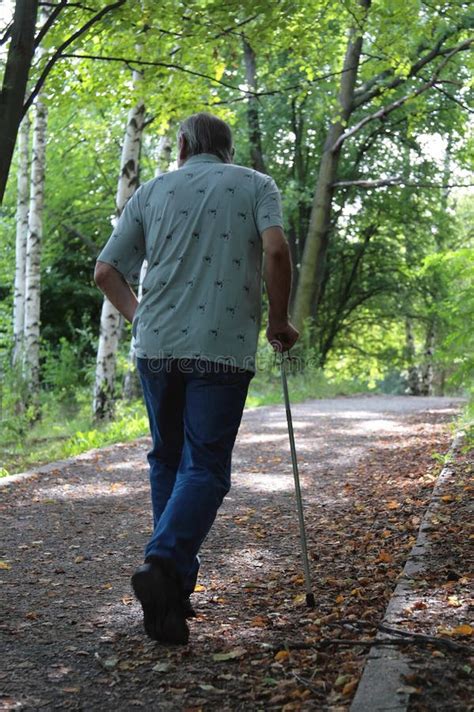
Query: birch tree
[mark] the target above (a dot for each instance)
(21, 240)
(110, 319)
(131, 384)
(163, 158)
(33, 250)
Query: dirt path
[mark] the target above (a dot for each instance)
(72, 634)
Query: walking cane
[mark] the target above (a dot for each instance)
(310, 602)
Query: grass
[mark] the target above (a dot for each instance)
(466, 424)
(67, 428)
(266, 387)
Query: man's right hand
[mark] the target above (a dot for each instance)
(282, 335)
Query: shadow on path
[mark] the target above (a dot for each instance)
(72, 634)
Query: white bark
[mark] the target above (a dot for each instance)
(110, 318)
(21, 239)
(131, 386)
(33, 250)
(163, 159)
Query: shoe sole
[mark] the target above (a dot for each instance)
(162, 620)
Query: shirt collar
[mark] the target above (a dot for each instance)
(202, 158)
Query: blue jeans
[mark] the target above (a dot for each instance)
(194, 409)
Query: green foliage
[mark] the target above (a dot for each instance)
(62, 369)
(130, 423)
(466, 425)
(312, 383)
(455, 313)
(65, 430)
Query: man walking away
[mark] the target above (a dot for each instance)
(202, 229)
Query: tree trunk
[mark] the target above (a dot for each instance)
(15, 78)
(33, 251)
(292, 236)
(299, 223)
(163, 158)
(410, 356)
(253, 121)
(426, 388)
(131, 384)
(311, 275)
(110, 320)
(21, 240)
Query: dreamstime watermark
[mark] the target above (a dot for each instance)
(165, 362)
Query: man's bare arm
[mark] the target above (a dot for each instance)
(277, 276)
(116, 288)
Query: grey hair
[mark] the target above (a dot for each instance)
(205, 133)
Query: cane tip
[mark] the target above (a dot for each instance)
(310, 602)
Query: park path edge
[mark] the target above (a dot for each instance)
(382, 686)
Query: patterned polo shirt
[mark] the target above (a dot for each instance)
(199, 228)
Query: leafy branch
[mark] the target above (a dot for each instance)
(131, 63)
(60, 50)
(396, 181)
(50, 21)
(375, 86)
(141, 62)
(385, 110)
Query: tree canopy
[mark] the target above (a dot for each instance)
(359, 110)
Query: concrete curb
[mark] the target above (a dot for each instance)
(52, 466)
(381, 687)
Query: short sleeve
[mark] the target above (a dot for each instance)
(125, 249)
(268, 209)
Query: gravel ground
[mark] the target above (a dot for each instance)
(72, 634)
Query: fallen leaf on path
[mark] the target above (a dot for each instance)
(342, 680)
(349, 687)
(111, 662)
(161, 667)
(231, 655)
(463, 630)
(211, 688)
(299, 598)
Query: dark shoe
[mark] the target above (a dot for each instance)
(157, 586)
(188, 609)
